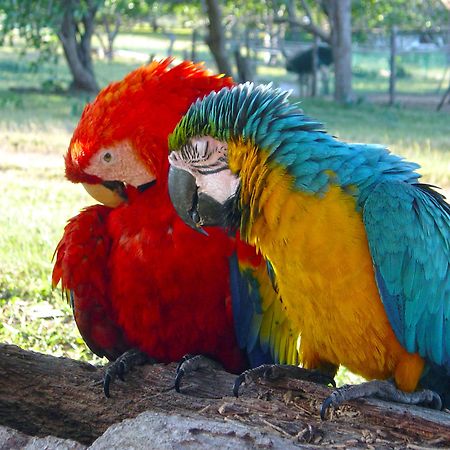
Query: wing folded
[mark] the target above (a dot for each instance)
(408, 229)
(81, 267)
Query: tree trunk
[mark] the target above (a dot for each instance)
(216, 37)
(111, 34)
(292, 14)
(194, 45)
(392, 66)
(315, 66)
(42, 395)
(77, 46)
(339, 12)
(243, 65)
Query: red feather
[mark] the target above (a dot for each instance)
(81, 265)
(140, 277)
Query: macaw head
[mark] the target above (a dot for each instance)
(222, 153)
(120, 141)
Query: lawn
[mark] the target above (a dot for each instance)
(35, 129)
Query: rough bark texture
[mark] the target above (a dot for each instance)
(341, 42)
(216, 37)
(244, 67)
(111, 26)
(42, 395)
(392, 66)
(77, 46)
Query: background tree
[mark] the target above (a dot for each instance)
(330, 21)
(71, 21)
(404, 14)
(216, 39)
(113, 13)
(340, 17)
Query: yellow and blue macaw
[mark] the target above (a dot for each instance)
(358, 248)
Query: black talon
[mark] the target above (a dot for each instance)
(106, 384)
(237, 384)
(182, 361)
(323, 378)
(276, 371)
(325, 405)
(180, 371)
(121, 366)
(191, 363)
(178, 377)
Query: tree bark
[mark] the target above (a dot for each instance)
(216, 37)
(243, 65)
(44, 395)
(111, 26)
(77, 46)
(292, 14)
(315, 66)
(392, 66)
(194, 45)
(339, 12)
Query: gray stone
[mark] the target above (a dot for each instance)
(11, 439)
(152, 430)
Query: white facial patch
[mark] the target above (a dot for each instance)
(120, 163)
(206, 159)
(220, 186)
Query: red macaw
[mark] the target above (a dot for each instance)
(138, 277)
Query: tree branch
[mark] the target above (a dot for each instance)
(44, 395)
(310, 27)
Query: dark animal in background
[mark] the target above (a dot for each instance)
(302, 64)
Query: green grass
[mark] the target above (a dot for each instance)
(36, 201)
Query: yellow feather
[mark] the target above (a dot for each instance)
(318, 248)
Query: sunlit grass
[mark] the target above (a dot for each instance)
(36, 202)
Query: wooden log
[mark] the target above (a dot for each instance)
(44, 395)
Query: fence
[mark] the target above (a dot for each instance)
(389, 66)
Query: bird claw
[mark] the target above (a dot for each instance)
(191, 363)
(276, 371)
(384, 390)
(121, 366)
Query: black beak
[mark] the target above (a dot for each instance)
(183, 194)
(118, 187)
(199, 209)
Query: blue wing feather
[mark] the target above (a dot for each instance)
(408, 230)
(247, 314)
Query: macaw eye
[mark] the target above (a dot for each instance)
(107, 157)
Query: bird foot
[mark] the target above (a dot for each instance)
(193, 363)
(384, 390)
(122, 365)
(276, 371)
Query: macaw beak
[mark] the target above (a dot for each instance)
(184, 197)
(199, 209)
(110, 193)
